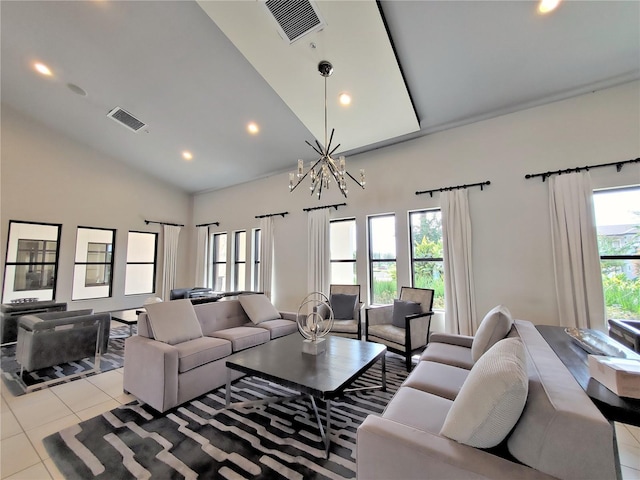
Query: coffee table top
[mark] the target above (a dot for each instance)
(324, 376)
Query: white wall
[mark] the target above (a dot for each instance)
(511, 236)
(47, 177)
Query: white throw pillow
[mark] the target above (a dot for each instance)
(494, 326)
(173, 322)
(492, 397)
(258, 308)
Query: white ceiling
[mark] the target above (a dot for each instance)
(171, 65)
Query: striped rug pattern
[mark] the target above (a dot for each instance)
(202, 439)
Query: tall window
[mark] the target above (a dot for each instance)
(383, 284)
(255, 273)
(618, 224)
(240, 260)
(219, 262)
(427, 267)
(140, 271)
(94, 263)
(342, 241)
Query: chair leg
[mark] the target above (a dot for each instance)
(408, 362)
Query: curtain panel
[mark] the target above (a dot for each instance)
(202, 249)
(460, 303)
(266, 256)
(170, 234)
(576, 260)
(318, 254)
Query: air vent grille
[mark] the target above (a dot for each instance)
(295, 18)
(125, 118)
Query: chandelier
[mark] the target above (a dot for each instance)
(325, 169)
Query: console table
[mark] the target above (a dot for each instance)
(613, 407)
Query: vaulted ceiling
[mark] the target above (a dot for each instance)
(196, 73)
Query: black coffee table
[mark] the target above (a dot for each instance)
(325, 376)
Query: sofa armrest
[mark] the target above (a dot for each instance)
(387, 449)
(151, 372)
(379, 315)
(289, 316)
(419, 325)
(451, 339)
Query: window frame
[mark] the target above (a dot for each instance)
(237, 263)
(255, 258)
(154, 263)
(215, 263)
(76, 295)
(371, 260)
(340, 260)
(412, 258)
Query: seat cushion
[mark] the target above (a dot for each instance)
(200, 351)
(494, 326)
(437, 378)
(343, 305)
(421, 410)
(279, 328)
(448, 354)
(173, 322)
(345, 326)
(387, 332)
(258, 308)
(492, 398)
(243, 337)
(402, 308)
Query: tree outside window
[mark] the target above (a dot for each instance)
(427, 267)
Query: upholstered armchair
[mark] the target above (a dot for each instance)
(49, 339)
(346, 310)
(404, 326)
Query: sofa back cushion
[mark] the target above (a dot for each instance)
(258, 308)
(173, 322)
(494, 326)
(491, 398)
(220, 315)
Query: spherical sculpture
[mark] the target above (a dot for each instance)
(315, 317)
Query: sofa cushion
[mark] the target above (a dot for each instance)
(437, 378)
(173, 322)
(494, 326)
(402, 308)
(416, 409)
(492, 398)
(343, 305)
(448, 354)
(345, 326)
(243, 337)
(200, 351)
(258, 308)
(278, 328)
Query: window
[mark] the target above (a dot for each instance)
(140, 271)
(256, 260)
(93, 267)
(31, 263)
(342, 242)
(383, 285)
(219, 262)
(240, 260)
(427, 267)
(618, 225)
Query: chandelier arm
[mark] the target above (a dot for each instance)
(322, 152)
(335, 148)
(351, 176)
(305, 175)
(336, 174)
(330, 140)
(314, 148)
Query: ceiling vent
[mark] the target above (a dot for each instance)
(126, 119)
(295, 19)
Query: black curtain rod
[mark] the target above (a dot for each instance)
(545, 175)
(163, 223)
(217, 224)
(457, 187)
(336, 205)
(272, 215)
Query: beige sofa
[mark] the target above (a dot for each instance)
(559, 433)
(164, 374)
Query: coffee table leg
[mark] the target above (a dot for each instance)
(227, 393)
(384, 373)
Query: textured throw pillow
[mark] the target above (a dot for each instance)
(258, 308)
(402, 308)
(173, 322)
(343, 305)
(494, 326)
(492, 397)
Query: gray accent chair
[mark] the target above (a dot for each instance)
(406, 341)
(350, 328)
(49, 339)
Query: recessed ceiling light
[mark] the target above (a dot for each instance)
(42, 68)
(187, 155)
(253, 128)
(546, 6)
(344, 98)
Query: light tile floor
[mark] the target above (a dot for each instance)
(27, 419)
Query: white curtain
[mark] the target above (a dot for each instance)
(266, 255)
(170, 235)
(318, 254)
(460, 303)
(576, 261)
(202, 247)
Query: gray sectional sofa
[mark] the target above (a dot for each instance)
(177, 356)
(558, 432)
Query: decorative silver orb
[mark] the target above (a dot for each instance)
(315, 316)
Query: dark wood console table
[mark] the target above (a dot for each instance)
(613, 407)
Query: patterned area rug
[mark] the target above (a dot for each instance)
(114, 358)
(202, 439)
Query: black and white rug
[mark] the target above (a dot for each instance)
(114, 358)
(202, 439)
